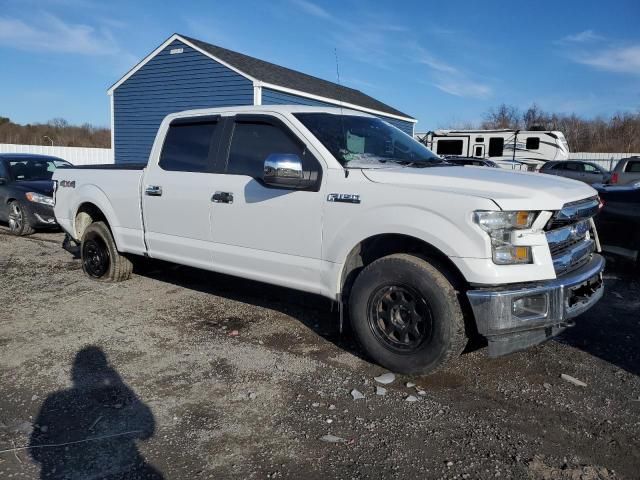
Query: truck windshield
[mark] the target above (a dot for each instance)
(30, 169)
(365, 142)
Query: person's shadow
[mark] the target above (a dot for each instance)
(90, 430)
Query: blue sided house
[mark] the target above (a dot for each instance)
(184, 73)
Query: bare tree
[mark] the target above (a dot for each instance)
(58, 130)
(505, 116)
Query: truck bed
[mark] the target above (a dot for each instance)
(113, 189)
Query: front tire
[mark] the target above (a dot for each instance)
(100, 257)
(406, 315)
(18, 220)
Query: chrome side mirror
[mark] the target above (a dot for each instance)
(285, 170)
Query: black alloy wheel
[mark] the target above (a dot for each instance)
(400, 317)
(95, 257)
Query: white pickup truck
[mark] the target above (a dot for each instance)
(422, 254)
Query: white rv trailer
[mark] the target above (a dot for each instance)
(513, 149)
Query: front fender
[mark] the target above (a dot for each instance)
(453, 235)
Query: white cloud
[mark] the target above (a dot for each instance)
(619, 59)
(582, 37)
(438, 65)
(461, 87)
(48, 33)
(312, 9)
(377, 42)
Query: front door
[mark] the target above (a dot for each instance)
(176, 193)
(267, 233)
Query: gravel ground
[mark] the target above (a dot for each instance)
(179, 373)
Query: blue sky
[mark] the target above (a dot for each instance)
(444, 63)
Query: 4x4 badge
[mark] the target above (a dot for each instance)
(343, 198)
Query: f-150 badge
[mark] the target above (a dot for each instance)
(343, 198)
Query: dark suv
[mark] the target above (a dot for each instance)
(26, 191)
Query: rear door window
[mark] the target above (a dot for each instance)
(633, 166)
(575, 167)
(190, 146)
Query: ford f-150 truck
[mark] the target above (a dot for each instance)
(421, 254)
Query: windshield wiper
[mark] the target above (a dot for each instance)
(421, 164)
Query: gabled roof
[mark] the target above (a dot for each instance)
(274, 76)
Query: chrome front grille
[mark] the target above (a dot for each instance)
(570, 236)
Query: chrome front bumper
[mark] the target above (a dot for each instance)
(515, 318)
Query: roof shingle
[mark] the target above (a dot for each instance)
(285, 77)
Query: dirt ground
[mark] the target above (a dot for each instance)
(179, 373)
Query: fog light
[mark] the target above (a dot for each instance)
(531, 306)
(507, 254)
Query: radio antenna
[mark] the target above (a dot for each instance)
(335, 52)
(344, 135)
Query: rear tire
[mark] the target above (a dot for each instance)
(406, 315)
(18, 220)
(100, 257)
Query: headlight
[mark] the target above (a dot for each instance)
(39, 198)
(500, 226)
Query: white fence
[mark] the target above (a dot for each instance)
(75, 155)
(606, 160)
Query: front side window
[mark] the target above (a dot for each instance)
(253, 142)
(187, 146)
(365, 142)
(533, 143)
(633, 166)
(591, 168)
(35, 169)
(496, 146)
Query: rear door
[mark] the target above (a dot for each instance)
(263, 232)
(592, 174)
(177, 190)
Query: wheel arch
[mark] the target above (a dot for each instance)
(380, 245)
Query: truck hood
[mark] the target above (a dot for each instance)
(511, 190)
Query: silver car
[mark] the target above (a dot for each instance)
(626, 172)
(584, 171)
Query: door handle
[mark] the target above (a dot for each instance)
(222, 197)
(153, 190)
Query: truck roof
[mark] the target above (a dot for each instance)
(271, 109)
